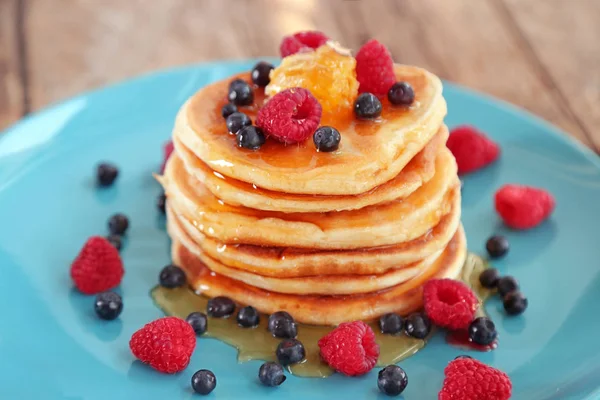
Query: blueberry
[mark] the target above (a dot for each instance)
(390, 323)
(367, 106)
(489, 278)
(106, 174)
(482, 331)
(248, 317)
(204, 381)
(271, 374)
(161, 203)
(506, 285)
(236, 82)
(237, 121)
(115, 240)
(515, 303)
(290, 351)
(497, 246)
(118, 224)
(220, 307)
(392, 380)
(198, 321)
(417, 325)
(260, 73)
(228, 109)
(462, 356)
(401, 93)
(250, 137)
(108, 305)
(240, 93)
(282, 325)
(327, 139)
(171, 277)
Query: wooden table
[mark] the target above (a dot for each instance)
(543, 55)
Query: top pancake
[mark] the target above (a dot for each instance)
(371, 152)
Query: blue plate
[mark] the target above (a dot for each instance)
(53, 347)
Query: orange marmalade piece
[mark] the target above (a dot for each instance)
(328, 72)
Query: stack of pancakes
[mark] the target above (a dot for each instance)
(327, 237)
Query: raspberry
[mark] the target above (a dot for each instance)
(523, 207)
(449, 303)
(472, 149)
(165, 344)
(290, 116)
(469, 379)
(167, 150)
(350, 348)
(98, 267)
(375, 69)
(302, 41)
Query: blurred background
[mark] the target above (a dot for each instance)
(543, 55)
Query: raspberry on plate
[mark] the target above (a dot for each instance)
(375, 69)
(98, 267)
(523, 207)
(301, 41)
(472, 149)
(290, 116)
(350, 348)
(448, 303)
(166, 344)
(469, 379)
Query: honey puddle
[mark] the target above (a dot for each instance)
(258, 343)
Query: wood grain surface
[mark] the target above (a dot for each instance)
(542, 55)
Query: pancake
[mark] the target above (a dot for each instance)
(294, 262)
(331, 285)
(379, 225)
(377, 150)
(418, 171)
(324, 310)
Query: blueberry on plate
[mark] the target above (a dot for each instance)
(462, 356)
(282, 325)
(391, 323)
(108, 305)
(489, 278)
(161, 203)
(115, 240)
(237, 121)
(417, 325)
(228, 109)
(497, 246)
(118, 224)
(106, 173)
(482, 331)
(515, 303)
(506, 285)
(392, 380)
(327, 139)
(198, 321)
(248, 317)
(290, 351)
(171, 277)
(271, 374)
(260, 73)
(401, 93)
(240, 93)
(204, 381)
(220, 307)
(367, 106)
(250, 137)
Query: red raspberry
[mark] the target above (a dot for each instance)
(167, 150)
(350, 348)
(98, 267)
(302, 41)
(374, 69)
(472, 149)
(165, 344)
(448, 303)
(290, 116)
(523, 207)
(469, 379)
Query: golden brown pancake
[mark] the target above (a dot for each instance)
(324, 310)
(379, 225)
(371, 152)
(233, 192)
